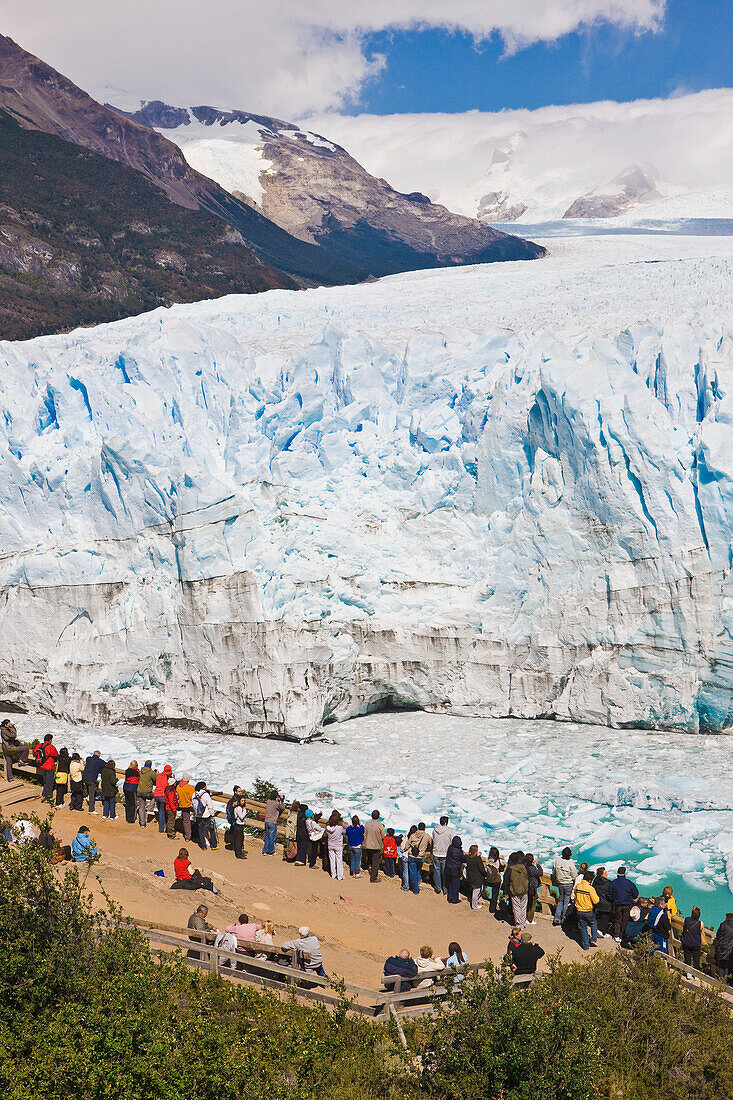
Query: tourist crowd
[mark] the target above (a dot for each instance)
(589, 903)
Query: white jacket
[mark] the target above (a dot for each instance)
(207, 804)
(428, 969)
(315, 831)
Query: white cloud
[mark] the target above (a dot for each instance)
(280, 57)
(559, 152)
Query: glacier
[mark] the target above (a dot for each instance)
(503, 490)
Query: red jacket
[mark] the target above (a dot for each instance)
(51, 754)
(171, 799)
(161, 781)
(389, 847)
(181, 868)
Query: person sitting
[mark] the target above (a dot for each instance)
(14, 751)
(525, 957)
(265, 936)
(199, 925)
(309, 945)
(186, 879)
(515, 939)
(635, 926)
(660, 925)
(244, 929)
(83, 848)
(402, 966)
(226, 941)
(428, 967)
(456, 958)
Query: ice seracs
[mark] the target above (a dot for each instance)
(262, 514)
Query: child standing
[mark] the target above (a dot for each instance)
(390, 852)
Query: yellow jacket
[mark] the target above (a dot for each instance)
(672, 909)
(585, 897)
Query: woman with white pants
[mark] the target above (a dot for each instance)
(335, 841)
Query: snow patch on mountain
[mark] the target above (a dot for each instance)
(235, 161)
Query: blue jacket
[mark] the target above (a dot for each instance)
(355, 835)
(404, 968)
(622, 892)
(93, 767)
(83, 848)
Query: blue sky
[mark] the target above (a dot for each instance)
(432, 70)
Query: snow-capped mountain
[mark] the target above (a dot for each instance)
(502, 490)
(630, 189)
(530, 166)
(316, 191)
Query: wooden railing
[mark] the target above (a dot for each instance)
(244, 967)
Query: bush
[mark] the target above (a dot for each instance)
(88, 1011)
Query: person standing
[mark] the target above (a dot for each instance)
(622, 895)
(145, 788)
(355, 837)
(564, 874)
(171, 808)
(724, 947)
(454, 859)
(129, 790)
(602, 886)
(291, 826)
(93, 767)
(61, 783)
(534, 874)
(475, 876)
(373, 844)
(335, 839)
(518, 889)
(316, 832)
(76, 771)
(389, 852)
(109, 790)
(586, 899)
(301, 836)
(273, 809)
(418, 848)
(184, 790)
(203, 805)
(46, 755)
(161, 782)
(239, 814)
(660, 924)
(14, 751)
(442, 836)
(404, 847)
(494, 867)
(691, 939)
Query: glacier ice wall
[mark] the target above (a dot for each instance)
(263, 514)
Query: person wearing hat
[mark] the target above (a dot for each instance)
(525, 957)
(309, 945)
(83, 847)
(316, 832)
